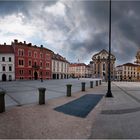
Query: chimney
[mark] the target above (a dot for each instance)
(41, 46)
(16, 41)
(4, 43)
(24, 42)
(30, 44)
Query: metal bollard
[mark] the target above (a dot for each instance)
(100, 82)
(69, 90)
(91, 84)
(83, 86)
(2, 101)
(42, 95)
(96, 83)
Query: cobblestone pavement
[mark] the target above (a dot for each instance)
(112, 118)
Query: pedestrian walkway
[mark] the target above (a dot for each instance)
(119, 117)
(116, 117)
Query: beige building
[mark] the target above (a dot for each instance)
(128, 72)
(60, 67)
(100, 65)
(80, 70)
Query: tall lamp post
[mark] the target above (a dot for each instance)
(109, 93)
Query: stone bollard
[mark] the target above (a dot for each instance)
(100, 82)
(96, 83)
(41, 79)
(69, 90)
(42, 95)
(83, 86)
(2, 101)
(91, 84)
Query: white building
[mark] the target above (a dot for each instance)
(7, 63)
(60, 67)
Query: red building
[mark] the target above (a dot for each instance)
(32, 62)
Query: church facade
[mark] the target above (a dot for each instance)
(100, 65)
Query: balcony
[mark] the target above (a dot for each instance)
(36, 67)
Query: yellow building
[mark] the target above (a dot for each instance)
(128, 72)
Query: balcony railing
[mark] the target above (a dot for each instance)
(36, 67)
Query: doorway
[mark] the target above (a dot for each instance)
(4, 77)
(35, 75)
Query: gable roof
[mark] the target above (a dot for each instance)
(6, 49)
(59, 58)
(77, 64)
(102, 51)
(130, 64)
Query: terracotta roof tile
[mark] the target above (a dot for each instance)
(6, 49)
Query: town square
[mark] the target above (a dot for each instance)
(69, 69)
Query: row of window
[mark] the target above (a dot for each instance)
(62, 70)
(21, 63)
(4, 59)
(129, 68)
(129, 72)
(29, 78)
(4, 68)
(131, 76)
(21, 53)
(22, 72)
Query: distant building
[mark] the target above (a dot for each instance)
(137, 58)
(88, 71)
(91, 66)
(128, 72)
(100, 65)
(7, 64)
(79, 70)
(32, 62)
(60, 67)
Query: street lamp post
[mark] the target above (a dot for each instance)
(78, 70)
(109, 93)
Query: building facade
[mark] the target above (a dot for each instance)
(32, 62)
(60, 67)
(128, 72)
(79, 70)
(7, 63)
(137, 58)
(100, 65)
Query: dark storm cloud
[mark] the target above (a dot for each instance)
(85, 24)
(125, 22)
(97, 43)
(10, 7)
(97, 9)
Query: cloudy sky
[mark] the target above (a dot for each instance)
(76, 29)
